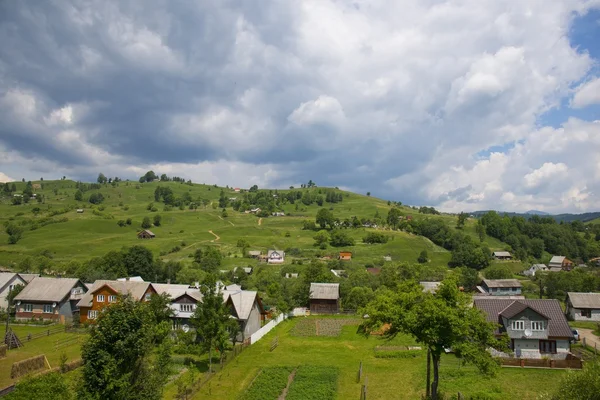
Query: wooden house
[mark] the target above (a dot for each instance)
(146, 234)
(324, 298)
(502, 255)
(561, 262)
(345, 255)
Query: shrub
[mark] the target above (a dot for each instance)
(121, 223)
(128, 221)
(375, 237)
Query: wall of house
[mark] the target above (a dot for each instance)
(319, 306)
(97, 306)
(66, 311)
(530, 348)
(254, 321)
(575, 314)
(37, 312)
(504, 291)
(4, 293)
(527, 316)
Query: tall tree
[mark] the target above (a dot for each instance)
(324, 218)
(101, 178)
(127, 355)
(438, 321)
(461, 219)
(393, 217)
(212, 319)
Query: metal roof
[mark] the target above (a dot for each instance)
(28, 277)
(7, 277)
(502, 283)
(548, 308)
(502, 254)
(557, 259)
(242, 300)
(584, 300)
(325, 291)
(47, 289)
(430, 287)
(171, 289)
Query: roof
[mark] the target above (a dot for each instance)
(47, 289)
(584, 300)
(191, 292)
(557, 259)
(516, 308)
(430, 287)
(28, 277)
(538, 266)
(346, 253)
(325, 291)
(281, 253)
(170, 289)
(254, 252)
(136, 289)
(6, 277)
(242, 301)
(147, 231)
(549, 308)
(131, 278)
(502, 283)
(502, 254)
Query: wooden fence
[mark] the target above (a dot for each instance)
(573, 363)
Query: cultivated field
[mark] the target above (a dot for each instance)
(321, 362)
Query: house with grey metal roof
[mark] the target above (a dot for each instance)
(536, 328)
(246, 307)
(531, 271)
(583, 306)
(52, 299)
(324, 298)
(561, 262)
(430, 287)
(502, 255)
(275, 257)
(500, 287)
(9, 281)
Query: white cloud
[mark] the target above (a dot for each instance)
(5, 178)
(545, 172)
(325, 109)
(587, 94)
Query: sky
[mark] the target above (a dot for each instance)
(461, 105)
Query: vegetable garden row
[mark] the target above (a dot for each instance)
(309, 383)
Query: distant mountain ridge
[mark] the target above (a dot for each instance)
(585, 217)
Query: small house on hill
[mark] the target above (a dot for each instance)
(80, 211)
(146, 234)
(345, 255)
(500, 287)
(583, 306)
(502, 255)
(275, 257)
(535, 268)
(254, 253)
(50, 299)
(561, 262)
(430, 287)
(324, 298)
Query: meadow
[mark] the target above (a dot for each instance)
(393, 377)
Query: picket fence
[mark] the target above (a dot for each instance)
(256, 336)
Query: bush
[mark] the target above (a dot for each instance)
(498, 272)
(128, 221)
(146, 223)
(340, 239)
(423, 257)
(375, 237)
(157, 219)
(96, 198)
(121, 223)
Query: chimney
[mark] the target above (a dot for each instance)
(168, 281)
(127, 279)
(197, 284)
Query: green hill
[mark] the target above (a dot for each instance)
(54, 228)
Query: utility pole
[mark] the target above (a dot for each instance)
(8, 318)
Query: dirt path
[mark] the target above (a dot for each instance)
(290, 380)
(260, 221)
(217, 237)
(590, 339)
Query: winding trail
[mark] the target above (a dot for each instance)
(260, 221)
(217, 237)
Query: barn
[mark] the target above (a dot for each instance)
(324, 298)
(146, 234)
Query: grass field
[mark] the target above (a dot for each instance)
(43, 345)
(95, 231)
(388, 378)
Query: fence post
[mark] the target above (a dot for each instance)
(359, 372)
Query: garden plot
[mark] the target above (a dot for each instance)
(314, 383)
(268, 384)
(322, 326)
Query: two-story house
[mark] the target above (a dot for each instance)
(536, 328)
(275, 257)
(53, 299)
(560, 263)
(500, 287)
(246, 306)
(183, 302)
(8, 281)
(583, 306)
(105, 292)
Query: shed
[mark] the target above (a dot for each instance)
(324, 298)
(146, 234)
(345, 255)
(583, 306)
(254, 253)
(502, 255)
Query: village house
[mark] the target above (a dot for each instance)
(52, 299)
(535, 268)
(500, 287)
(254, 253)
(105, 292)
(536, 328)
(583, 306)
(246, 270)
(275, 257)
(560, 263)
(183, 302)
(246, 306)
(278, 214)
(146, 234)
(80, 211)
(324, 298)
(430, 287)
(502, 255)
(345, 255)
(8, 281)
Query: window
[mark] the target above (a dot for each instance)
(148, 296)
(547, 346)
(77, 290)
(517, 325)
(537, 325)
(112, 298)
(587, 313)
(28, 307)
(47, 308)
(100, 298)
(186, 307)
(92, 314)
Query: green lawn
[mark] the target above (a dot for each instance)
(44, 345)
(388, 378)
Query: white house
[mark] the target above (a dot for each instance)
(8, 281)
(275, 257)
(583, 306)
(535, 268)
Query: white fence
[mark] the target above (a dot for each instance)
(256, 336)
(300, 312)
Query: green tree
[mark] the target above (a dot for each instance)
(580, 385)
(101, 178)
(208, 259)
(462, 218)
(224, 213)
(52, 386)
(96, 198)
(146, 223)
(480, 229)
(138, 260)
(13, 293)
(212, 319)
(498, 272)
(321, 237)
(341, 239)
(127, 355)
(357, 298)
(438, 321)
(324, 218)
(79, 195)
(423, 257)
(393, 218)
(157, 219)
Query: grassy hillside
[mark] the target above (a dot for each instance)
(80, 236)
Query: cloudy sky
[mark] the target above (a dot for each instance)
(463, 105)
